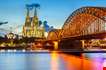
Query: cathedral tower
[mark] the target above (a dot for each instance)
(31, 27)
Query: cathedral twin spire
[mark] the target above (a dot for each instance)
(30, 19)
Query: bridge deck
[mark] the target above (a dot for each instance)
(90, 36)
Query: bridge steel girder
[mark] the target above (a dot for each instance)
(85, 21)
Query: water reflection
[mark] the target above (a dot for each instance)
(95, 60)
(12, 62)
(23, 61)
(52, 61)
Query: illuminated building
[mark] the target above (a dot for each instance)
(32, 26)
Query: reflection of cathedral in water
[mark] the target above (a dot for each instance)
(33, 27)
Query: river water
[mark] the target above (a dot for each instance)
(51, 61)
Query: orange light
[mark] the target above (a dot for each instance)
(55, 45)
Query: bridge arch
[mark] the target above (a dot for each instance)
(84, 21)
(54, 34)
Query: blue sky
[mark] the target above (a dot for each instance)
(54, 11)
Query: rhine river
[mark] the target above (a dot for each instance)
(51, 61)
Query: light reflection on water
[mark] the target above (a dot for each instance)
(21, 61)
(52, 61)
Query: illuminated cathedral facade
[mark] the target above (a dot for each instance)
(32, 26)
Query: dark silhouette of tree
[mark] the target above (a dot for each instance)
(40, 23)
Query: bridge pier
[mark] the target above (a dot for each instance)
(71, 45)
(83, 43)
(55, 45)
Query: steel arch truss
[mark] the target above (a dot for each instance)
(85, 21)
(54, 34)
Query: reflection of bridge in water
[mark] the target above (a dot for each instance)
(85, 26)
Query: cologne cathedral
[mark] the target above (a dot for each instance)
(32, 26)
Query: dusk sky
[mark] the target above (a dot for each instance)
(54, 11)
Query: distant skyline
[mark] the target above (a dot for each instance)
(55, 12)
